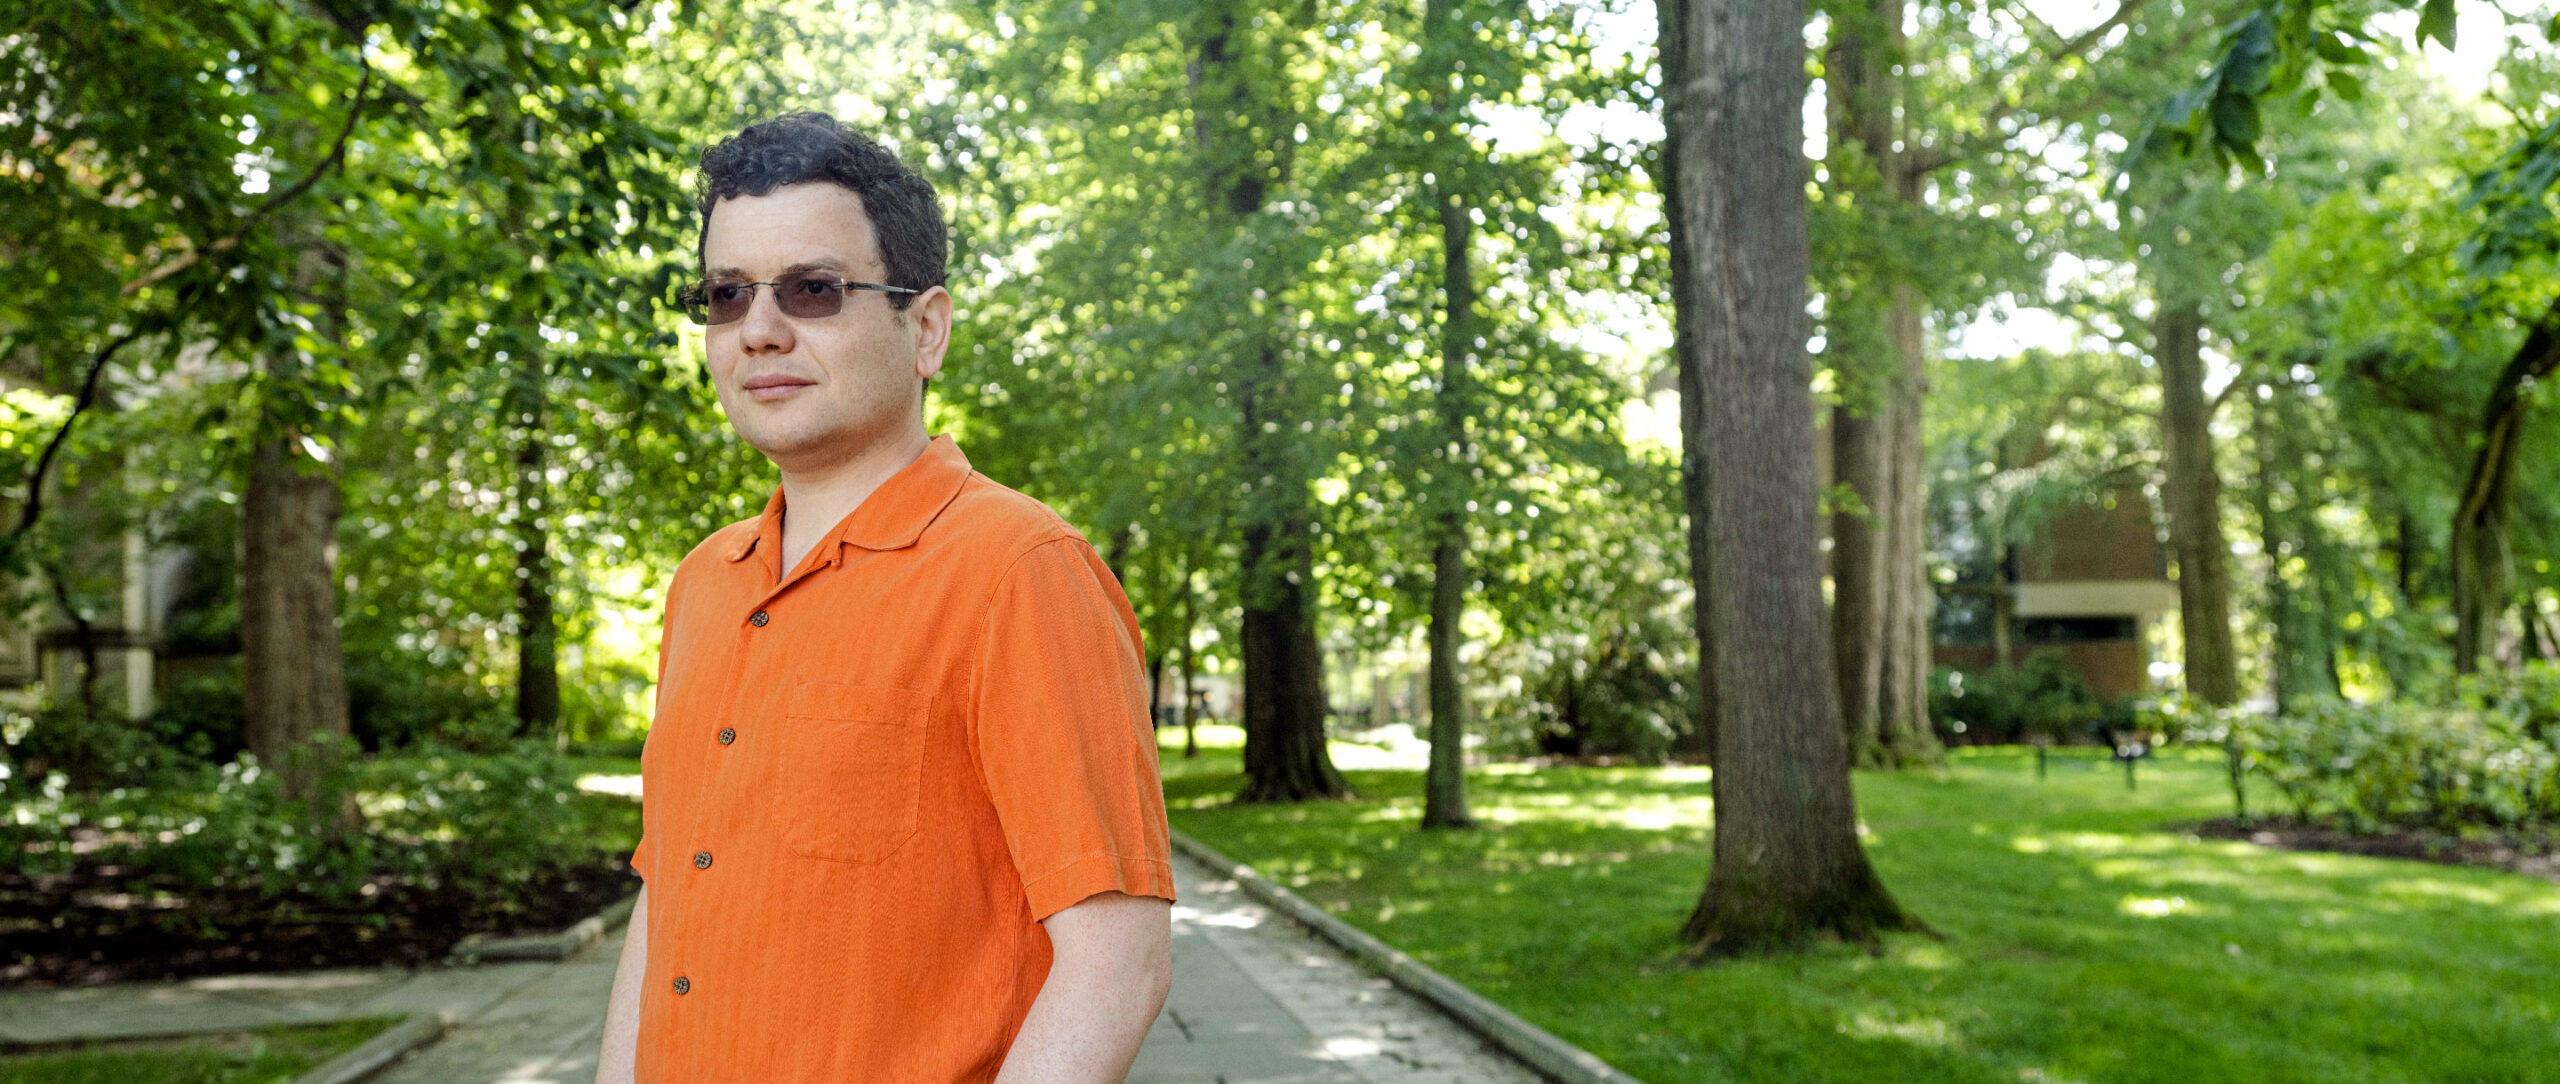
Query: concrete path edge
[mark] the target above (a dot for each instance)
(1555, 1058)
(374, 1054)
(549, 946)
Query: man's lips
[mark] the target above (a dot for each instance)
(768, 387)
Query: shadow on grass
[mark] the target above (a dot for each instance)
(2083, 942)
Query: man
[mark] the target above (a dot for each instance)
(903, 821)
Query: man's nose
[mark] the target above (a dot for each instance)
(764, 329)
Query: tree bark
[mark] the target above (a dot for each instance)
(1246, 145)
(1687, 341)
(1190, 661)
(2195, 506)
(1285, 759)
(1859, 583)
(537, 624)
(1444, 790)
(2482, 555)
(1881, 594)
(1788, 866)
(1903, 733)
(293, 667)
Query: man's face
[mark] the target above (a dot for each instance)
(810, 393)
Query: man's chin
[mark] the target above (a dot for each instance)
(788, 446)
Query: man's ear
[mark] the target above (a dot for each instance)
(930, 315)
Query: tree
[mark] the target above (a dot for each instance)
(1788, 865)
(2194, 488)
(1444, 34)
(1881, 593)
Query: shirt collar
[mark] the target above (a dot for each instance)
(892, 516)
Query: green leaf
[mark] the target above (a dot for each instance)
(2336, 51)
(2436, 22)
(2346, 87)
(2235, 120)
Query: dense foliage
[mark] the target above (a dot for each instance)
(2486, 757)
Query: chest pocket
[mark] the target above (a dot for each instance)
(853, 757)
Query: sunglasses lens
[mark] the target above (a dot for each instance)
(728, 301)
(809, 296)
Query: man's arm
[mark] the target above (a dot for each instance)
(1111, 966)
(618, 1061)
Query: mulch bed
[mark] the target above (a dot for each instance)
(97, 925)
(2515, 854)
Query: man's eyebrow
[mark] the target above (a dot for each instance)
(828, 264)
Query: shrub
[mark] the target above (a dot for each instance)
(485, 825)
(1626, 692)
(204, 718)
(88, 751)
(2487, 759)
(2042, 700)
(395, 701)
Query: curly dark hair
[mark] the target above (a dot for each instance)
(800, 147)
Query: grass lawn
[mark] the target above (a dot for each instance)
(2083, 940)
(266, 1056)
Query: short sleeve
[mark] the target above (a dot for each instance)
(1062, 732)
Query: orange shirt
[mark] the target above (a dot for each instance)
(871, 779)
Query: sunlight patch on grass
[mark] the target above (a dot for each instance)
(2153, 906)
(1925, 955)
(2443, 890)
(1916, 1030)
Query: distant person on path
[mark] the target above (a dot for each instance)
(903, 820)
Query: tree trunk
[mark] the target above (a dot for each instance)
(1859, 584)
(1190, 660)
(1246, 144)
(1903, 733)
(1444, 790)
(2284, 642)
(1687, 341)
(2195, 506)
(1881, 594)
(2482, 556)
(1444, 802)
(537, 626)
(291, 662)
(2301, 623)
(1788, 865)
(1285, 759)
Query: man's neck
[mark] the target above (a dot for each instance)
(819, 496)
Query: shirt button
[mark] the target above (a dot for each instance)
(759, 619)
(728, 734)
(702, 860)
(683, 984)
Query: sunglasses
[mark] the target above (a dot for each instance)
(808, 296)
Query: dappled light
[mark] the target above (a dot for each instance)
(1930, 540)
(2080, 922)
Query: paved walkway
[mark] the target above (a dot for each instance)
(1257, 999)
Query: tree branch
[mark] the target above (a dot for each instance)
(88, 396)
(1927, 160)
(337, 154)
(34, 504)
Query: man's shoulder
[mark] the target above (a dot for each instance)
(993, 519)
